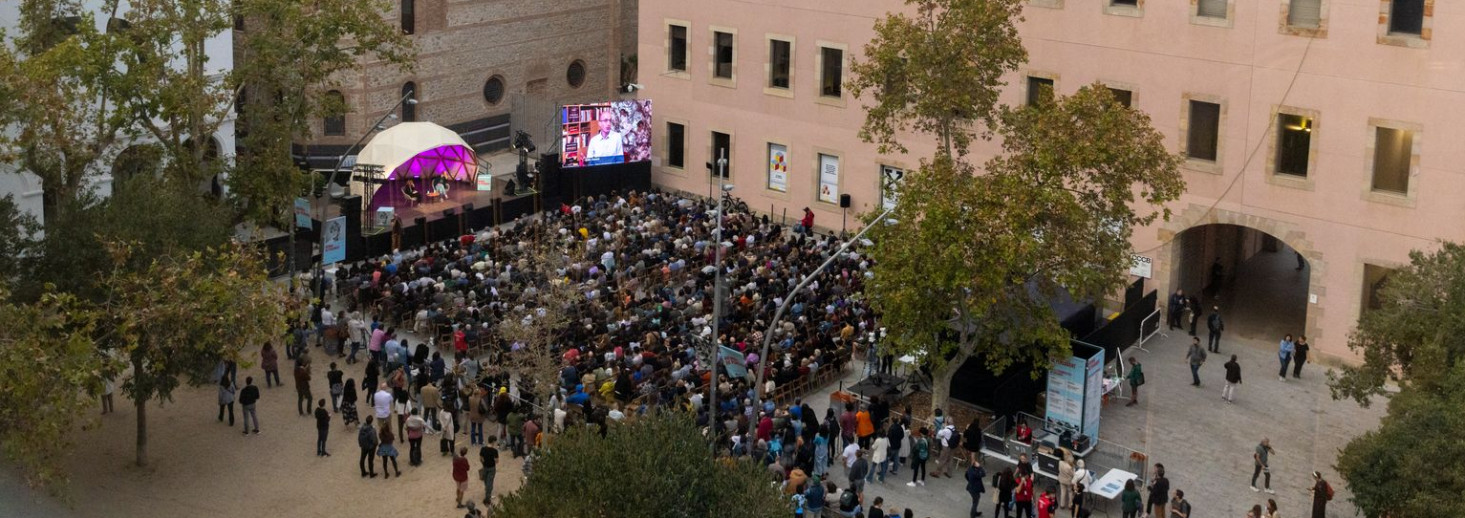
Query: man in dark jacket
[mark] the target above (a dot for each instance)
(1233, 378)
(974, 487)
(1215, 325)
(366, 438)
(248, 397)
(897, 438)
(1177, 307)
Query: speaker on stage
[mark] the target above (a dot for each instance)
(355, 244)
(448, 213)
(844, 201)
(421, 223)
(509, 188)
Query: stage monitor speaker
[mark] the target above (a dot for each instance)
(420, 221)
(509, 188)
(448, 213)
(844, 201)
(467, 207)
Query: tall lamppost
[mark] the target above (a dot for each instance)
(320, 267)
(717, 289)
(777, 314)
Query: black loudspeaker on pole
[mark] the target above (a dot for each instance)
(355, 243)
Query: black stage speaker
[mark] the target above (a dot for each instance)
(448, 213)
(421, 223)
(355, 244)
(844, 201)
(509, 188)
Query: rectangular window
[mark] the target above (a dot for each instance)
(1307, 14)
(1122, 96)
(1128, 3)
(890, 178)
(676, 145)
(831, 77)
(780, 59)
(1040, 89)
(676, 58)
(777, 167)
(721, 147)
(828, 178)
(1406, 17)
(1374, 278)
(1204, 134)
(724, 65)
(1294, 144)
(1392, 151)
(1211, 8)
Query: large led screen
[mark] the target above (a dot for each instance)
(605, 133)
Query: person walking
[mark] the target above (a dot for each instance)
(974, 487)
(302, 388)
(879, 454)
(1130, 500)
(336, 386)
(1284, 355)
(1214, 324)
(247, 398)
(349, 416)
(1193, 313)
(946, 439)
(1159, 493)
(269, 360)
(1299, 357)
(1004, 483)
(1136, 378)
(460, 473)
(896, 433)
(415, 428)
(1260, 459)
(226, 398)
(920, 452)
(1065, 480)
(322, 428)
(1196, 357)
(387, 449)
(367, 440)
(1322, 493)
(1233, 378)
(489, 455)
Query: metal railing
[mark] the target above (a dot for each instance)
(1143, 324)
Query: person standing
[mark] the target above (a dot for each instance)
(864, 427)
(269, 360)
(1299, 357)
(879, 454)
(1159, 493)
(460, 473)
(1322, 492)
(247, 398)
(431, 400)
(858, 473)
(415, 427)
(1214, 324)
(920, 452)
(974, 487)
(1065, 480)
(1136, 378)
(335, 383)
(109, 386)
(302, 388)
(1179, 508)
(1130, 500)
(1271, 511)
(366, 438)
(946, 439)
(1023, 496)
(1260, 458)
(226, 398)
(806, 225)
(1004, 484)
(477, 408)
(1193, 313)
(896, 433)
(387, 449)
(1284, 355)
(1176, 309)
(349, 415)
(1233, 378)
(490, 457)
(322, 428)
(1196, 356)
(381, 404)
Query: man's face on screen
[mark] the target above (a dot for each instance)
(607, 120)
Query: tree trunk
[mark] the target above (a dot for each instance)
(941, 382)
(142, 432)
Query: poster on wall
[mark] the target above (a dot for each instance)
(777, 167)
(890, 177)
(334, 250)
(1066, 393)
(302, 213)
(605, 133)
(485, 182)
(828, 178)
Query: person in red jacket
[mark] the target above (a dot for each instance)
(460, 473)
(1024, 496)
(1046, 505)
(806, 225)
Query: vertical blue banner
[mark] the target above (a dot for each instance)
(334, 248)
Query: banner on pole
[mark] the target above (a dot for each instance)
(733, 361)
(302, 213)
(334, 248)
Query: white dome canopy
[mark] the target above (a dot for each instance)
(399, 144)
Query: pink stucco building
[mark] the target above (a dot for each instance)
(1321, 126)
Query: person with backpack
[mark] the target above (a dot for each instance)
(814, 497)
(1322, 493)
(920, 452)
(849, 503)
(974, 476)
(1197, 356)
(366, 438)
(1179, 508)
(947, 439)
(1215, 325)
(1136, 378)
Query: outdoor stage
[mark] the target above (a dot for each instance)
(459, 197)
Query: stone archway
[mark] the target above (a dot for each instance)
(1170, 260)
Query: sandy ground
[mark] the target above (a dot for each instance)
(200, 467)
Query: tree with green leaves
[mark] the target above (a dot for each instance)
(975, 256)
(179, 316)
(51, 373)
(19, 239)
(657, 464)
(1415, 339)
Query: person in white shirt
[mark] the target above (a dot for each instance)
(607, 143)
(851, 452)
(879, 450)
(381, 402)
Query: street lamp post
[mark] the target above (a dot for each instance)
(712, 413)
(320, 270)
(778, 314)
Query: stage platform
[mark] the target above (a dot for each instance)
(879, 385)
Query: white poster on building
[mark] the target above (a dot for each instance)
(777, 167)
(828, 178)
(889, 186)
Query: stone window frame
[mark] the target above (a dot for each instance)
(712, 79)
(1206, 21)
(732, 146)
(665, 139)
(1408, 199)
(1055, 77)
(767, 188)
(793, 66)
(1048, 4)
(1420, 41)
(839, 156)
(844, 53)
(1203, 166)
(667, 71)
(1132, 88)
(1286, 180)
(1133, 11)
(1320, 32)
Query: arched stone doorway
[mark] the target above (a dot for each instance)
(1270, 277)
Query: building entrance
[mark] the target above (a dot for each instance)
(1259, 282)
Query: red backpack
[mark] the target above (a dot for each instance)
(1329, 488)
